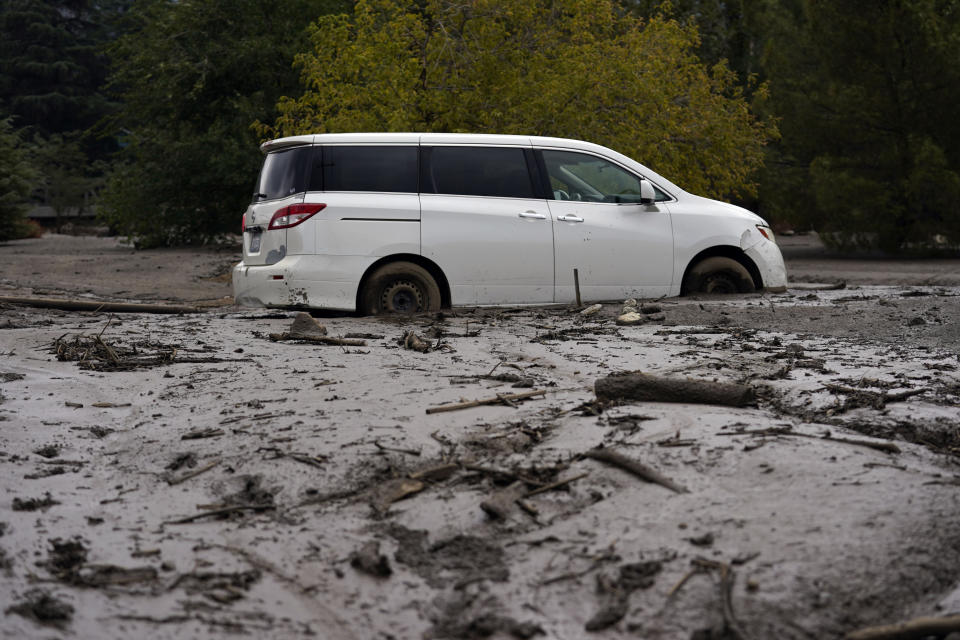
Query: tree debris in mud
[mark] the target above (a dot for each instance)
(650, 388)
(93, 353)
(43, 608)
(615, 592)
(368, 559)
(635, 467)
(410, 340)
(506, 399)
(33, 504)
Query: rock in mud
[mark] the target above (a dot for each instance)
(368, 559)
(630, 319)
(412, 341)
(32, 504)
(43, 608)
(305, 325)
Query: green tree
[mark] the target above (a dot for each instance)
(16, 181)
(577, 68)
(192, 77)
(51, 66)
(52, 70)
(867, 94)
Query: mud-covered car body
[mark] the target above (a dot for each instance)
(483, 220)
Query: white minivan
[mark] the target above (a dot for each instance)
(410, 222)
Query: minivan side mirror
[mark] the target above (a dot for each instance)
(647, 194)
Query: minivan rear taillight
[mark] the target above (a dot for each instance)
(293, 215)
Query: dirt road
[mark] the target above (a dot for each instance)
(188, 476)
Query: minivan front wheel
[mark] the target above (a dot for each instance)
(400, 287)
(718, 275)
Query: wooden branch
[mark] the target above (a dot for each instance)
(222, 512)
(635, 467)
(909, 630)
(89, 305)
(193, 474)
(456, 406)
(556, 485)
(886, 447)
(645, 387)
(316, 339)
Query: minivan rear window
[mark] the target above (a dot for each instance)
(284, 173)
(499, 172)
(369, 168)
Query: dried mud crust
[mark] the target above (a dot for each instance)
(471, 483)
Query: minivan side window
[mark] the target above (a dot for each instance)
(284, 173)
(499, 172)
(579, 176)
(367, 168)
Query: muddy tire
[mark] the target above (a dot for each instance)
(400, 288)
(718, 275)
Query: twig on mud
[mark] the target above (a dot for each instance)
(607, 556)
(193, 474)
(87, 305)
(499, 399)
(202, 433)
(412, 452)
(327, 340)
(436, 473)
(886, 447)
(222, 512)
(152, 620)
(328, 497)
(727, 578)
(916, 628)
(556, 485)
(635, 467)
(313, 461)
(502, 472)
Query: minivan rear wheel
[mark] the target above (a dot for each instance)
(718, 275)
(400, 287)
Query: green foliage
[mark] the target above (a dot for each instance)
(573, 68)
(192, 77)
(867, 94)
(16, 179)
(51, 69)
(51, 74)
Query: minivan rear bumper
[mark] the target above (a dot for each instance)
(317, 282)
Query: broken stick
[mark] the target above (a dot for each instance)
(317, 339)
(500, 399)
(193, 474)
(911, 629)
(645, 387)
(556, 485)
(886, 447)
(222, 512)
(635, 467)
(87, 305)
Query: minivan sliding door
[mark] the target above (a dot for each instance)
(483, 225)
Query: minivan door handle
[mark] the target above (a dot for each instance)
(570, 218)
(533, 214)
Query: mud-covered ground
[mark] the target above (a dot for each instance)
(189, 476)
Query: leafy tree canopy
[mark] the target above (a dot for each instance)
(16, 180)
(584, 69)
(51, 68)
(867, 93)
(192, 77)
